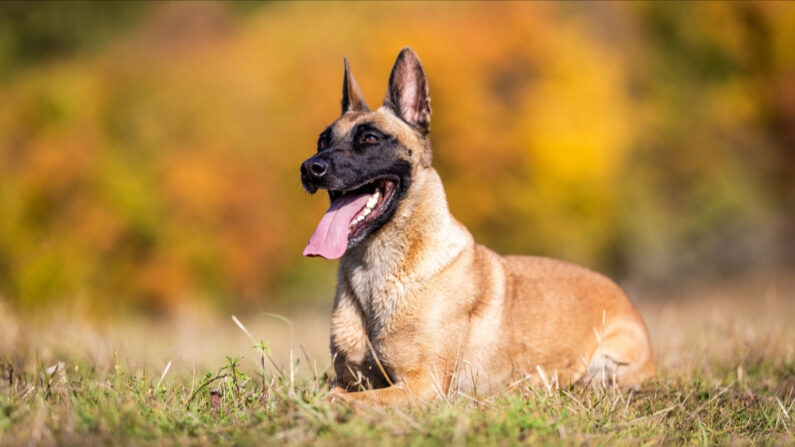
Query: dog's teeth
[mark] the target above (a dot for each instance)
(373, 200)
(368, 207)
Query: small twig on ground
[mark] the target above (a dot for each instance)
(544, 379)
(292, 363)
(163, 376)
(201, 387)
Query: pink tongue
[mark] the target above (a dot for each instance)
(330, 239)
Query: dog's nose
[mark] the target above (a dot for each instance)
(315, 168)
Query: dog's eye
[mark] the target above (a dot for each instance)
(370, 139)
(323, 140)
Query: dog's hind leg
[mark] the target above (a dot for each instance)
(623, 356)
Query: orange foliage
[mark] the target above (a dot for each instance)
(165, 165)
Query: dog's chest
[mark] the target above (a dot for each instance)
(379, 294)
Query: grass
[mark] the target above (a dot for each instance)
(727, 376)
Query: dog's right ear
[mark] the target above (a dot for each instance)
(352, 98)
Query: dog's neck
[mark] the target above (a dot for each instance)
(419, 241)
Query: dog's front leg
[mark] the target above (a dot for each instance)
(413, 389)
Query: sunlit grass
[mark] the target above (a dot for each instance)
(727, 376)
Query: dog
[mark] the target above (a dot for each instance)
(421, 310)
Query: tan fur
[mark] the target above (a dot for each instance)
(440, 313)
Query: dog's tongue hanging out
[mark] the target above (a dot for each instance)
(330, 239)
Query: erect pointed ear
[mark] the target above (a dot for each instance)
(407, 94)
(352, 98)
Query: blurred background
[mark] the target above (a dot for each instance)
(149, 151)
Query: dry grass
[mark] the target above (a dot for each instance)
(725, 351)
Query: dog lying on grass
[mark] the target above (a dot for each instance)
(420, 308)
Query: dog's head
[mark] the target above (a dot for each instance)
(366, 159)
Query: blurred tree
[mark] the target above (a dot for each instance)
(34, 33)
(159, 165)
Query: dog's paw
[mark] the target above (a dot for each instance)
(356, 400)
(337, 394)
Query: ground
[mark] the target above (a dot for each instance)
(726, 376)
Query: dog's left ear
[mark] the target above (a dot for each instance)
(352, 98)
(407, 94)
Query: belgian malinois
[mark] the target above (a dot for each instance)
(420, 308)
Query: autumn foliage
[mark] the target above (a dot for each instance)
(158, 163)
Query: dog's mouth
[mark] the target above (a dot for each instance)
(351, 216)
